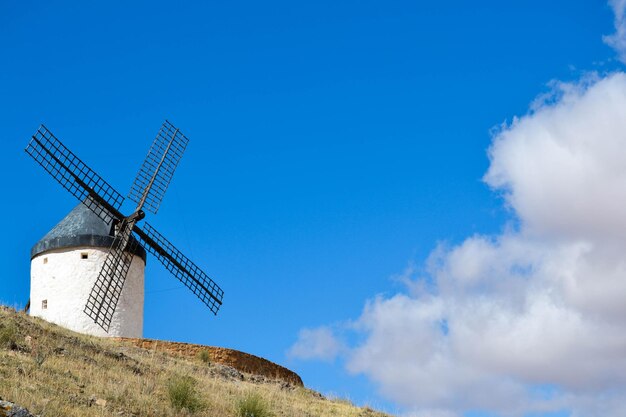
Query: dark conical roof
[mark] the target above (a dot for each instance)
(80, 228)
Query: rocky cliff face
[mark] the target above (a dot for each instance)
(243, 362)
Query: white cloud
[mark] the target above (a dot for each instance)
(562, 168)
(618, 40)
(534, 319)
(319, 343)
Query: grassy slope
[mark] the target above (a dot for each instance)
(56, 372)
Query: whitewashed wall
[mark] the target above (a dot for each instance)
(65, 280)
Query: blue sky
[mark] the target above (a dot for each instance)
(333, 147)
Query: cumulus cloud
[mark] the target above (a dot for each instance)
(562, 168)
(618, 40)
(533, 319)
(319, 343)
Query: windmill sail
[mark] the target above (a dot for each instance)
(181, 267)
(157, 170)
(76, 177)
(106, 291)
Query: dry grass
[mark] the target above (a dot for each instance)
(55, 372)
(183, 394)
(252, 405)
(204, 356)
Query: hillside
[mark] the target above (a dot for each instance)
(52, 371)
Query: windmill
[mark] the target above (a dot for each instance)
(125, 235)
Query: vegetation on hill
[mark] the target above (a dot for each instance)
(52, 371)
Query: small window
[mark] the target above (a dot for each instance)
(44, 304)
(45, 260)
(84, 255)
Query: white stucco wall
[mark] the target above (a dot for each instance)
(64, 280)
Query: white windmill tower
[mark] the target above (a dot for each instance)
(87, 273)
(65, 265)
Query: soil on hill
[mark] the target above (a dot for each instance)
(50, 371)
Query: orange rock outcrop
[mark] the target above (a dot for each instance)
(243, 362)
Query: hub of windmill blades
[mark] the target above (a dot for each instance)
(147, 192)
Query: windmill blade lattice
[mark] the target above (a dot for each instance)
(106, 291)
(157, 170)
(181, 267)
(76, 177)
